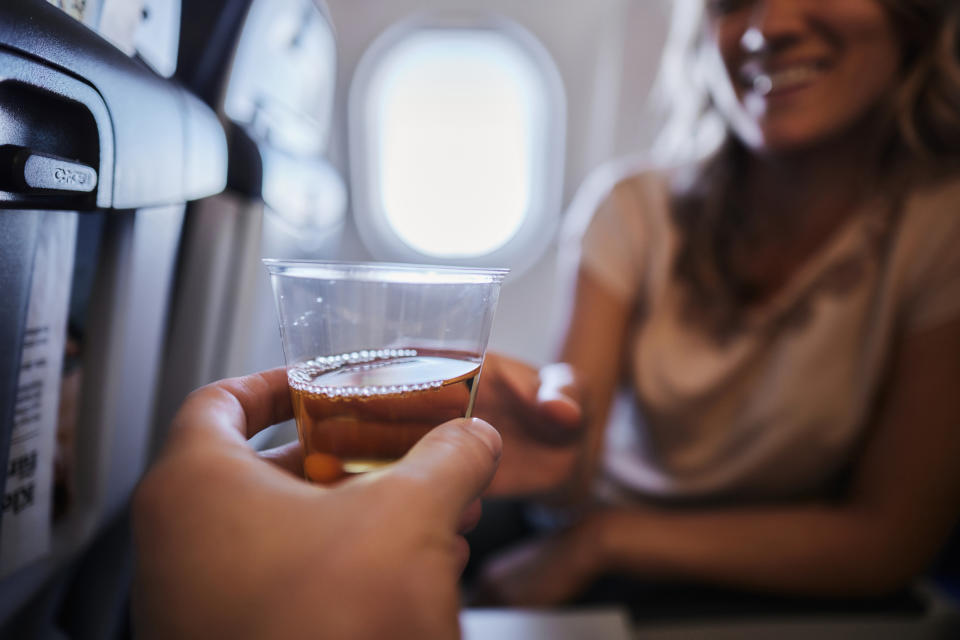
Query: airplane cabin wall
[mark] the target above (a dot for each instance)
(606, 51)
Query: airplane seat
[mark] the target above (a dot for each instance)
(267, 68)
(99, 152)
(944, 571)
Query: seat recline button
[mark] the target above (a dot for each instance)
(54, 174)
(26, 171)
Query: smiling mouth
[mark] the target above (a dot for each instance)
(770, 81)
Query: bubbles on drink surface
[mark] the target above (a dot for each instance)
(361, 410)
(379, 372)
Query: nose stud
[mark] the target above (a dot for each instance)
(752, 40)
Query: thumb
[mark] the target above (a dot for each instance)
(455, 461)
(558, 385)
(559, 402)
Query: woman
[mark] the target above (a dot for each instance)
(783, 309)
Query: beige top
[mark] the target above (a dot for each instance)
(778, 410)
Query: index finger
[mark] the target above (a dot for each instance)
(235, 409)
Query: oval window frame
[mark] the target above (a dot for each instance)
(537, 229)
(245, 113)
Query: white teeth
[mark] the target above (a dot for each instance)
(766, 83)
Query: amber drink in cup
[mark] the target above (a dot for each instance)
(379, 354)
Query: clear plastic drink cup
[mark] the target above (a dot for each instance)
(378, 354)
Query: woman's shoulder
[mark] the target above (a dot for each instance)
(931, 212)
(926, 252)
(626, 172)
(628, 188)
(614, 225)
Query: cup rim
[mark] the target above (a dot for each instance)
(383, 271)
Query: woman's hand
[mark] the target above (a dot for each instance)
(543, 572)
(235, 545)
(541, 420)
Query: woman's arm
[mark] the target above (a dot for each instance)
(904, 499)
(550, 444)
(595, 346)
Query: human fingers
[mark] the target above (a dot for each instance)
(288, 457)
(508, 392)
(559, 395)
(515, 378)
(234, 409)
(470, 517)
(450, 466)
(548, 400)
(468, 522)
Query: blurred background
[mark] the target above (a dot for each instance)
(153, 151)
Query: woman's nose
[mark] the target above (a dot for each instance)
(773, 24)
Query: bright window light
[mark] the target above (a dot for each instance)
(454, 115)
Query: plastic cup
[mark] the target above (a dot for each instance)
(378, 354)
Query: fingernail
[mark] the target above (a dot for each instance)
(487, 434)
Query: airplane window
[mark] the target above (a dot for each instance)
(147, 28)
(158, 34)
(455, 127)
(282, 81)
(455, 113)
(81, 10)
